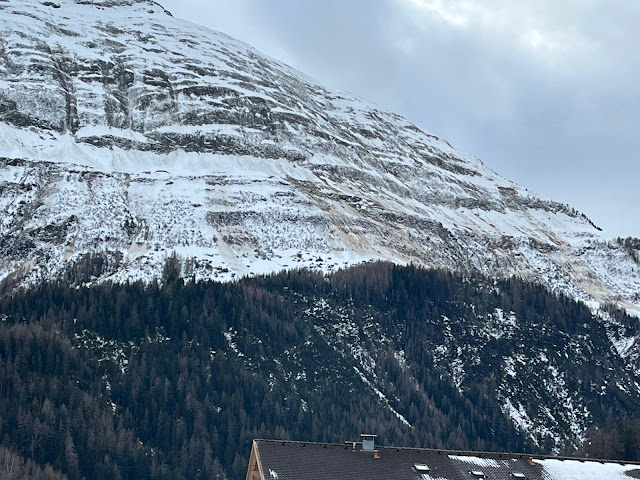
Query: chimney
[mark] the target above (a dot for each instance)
(368, 442)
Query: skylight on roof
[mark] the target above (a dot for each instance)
(421, 467)
(477, 473)
(518, 475)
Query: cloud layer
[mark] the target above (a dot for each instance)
(545, 92)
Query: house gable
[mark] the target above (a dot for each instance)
(254, 472)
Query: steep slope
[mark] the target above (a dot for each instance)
(128, 132)
(175, 381)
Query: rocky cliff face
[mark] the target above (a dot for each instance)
(132, 134)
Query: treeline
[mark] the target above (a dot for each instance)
(173, 380)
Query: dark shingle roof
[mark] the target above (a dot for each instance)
(284, 460)
(313, 461)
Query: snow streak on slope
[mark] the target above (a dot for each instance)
(127, 132)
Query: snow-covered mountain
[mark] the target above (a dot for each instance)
(132, 134)
(128, 136)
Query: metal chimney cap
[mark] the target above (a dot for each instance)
(368, 442)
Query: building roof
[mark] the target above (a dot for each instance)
(286, 460)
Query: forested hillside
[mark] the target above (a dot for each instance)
(172, 380)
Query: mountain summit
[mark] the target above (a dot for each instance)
(127, 136)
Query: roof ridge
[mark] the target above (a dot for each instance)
(535, 456)
(273, 440)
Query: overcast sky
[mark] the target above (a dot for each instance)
(546, 92)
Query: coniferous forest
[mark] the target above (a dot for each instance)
(173, 380)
